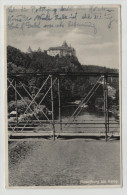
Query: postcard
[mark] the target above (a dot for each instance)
(63, 75)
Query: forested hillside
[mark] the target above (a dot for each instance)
(39, 62)
(93, 68)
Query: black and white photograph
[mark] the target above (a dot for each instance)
(63, 96)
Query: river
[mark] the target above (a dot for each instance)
(90, 119)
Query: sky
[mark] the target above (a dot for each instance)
(96, 40)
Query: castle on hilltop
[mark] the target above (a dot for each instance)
(63, 50)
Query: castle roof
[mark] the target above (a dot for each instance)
(63, 47)
(39, 49)
(29, 49)
(64, 44)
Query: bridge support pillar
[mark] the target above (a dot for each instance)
(59, 99)
(16, 103)
(52, 102)
(106, 115)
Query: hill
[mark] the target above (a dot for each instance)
(40, 62)
(95, 68)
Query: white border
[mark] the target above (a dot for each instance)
(118, 191)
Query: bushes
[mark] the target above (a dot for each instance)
(20, 105)
(28, 115)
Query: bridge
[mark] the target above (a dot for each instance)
(48, 126)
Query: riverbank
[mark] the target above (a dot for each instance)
(64, 162)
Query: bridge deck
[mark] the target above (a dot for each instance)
(62, 134)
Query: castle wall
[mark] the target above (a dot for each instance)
(63, 50)
(53, 52)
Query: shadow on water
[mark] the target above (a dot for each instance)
(88, 113)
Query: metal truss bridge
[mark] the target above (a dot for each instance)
(49, 126)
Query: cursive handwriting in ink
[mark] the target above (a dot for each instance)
(12, 26)
(86, 24)
(42, 17)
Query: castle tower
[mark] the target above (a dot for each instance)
(29, 50)
(39, 49)
(64, 44)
